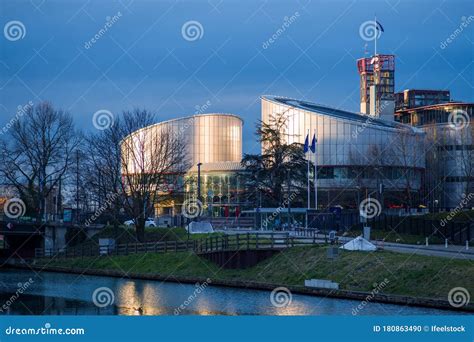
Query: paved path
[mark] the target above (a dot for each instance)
(452, 252)
(456, 252)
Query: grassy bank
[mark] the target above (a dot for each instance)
(415, 275)
(391, 236)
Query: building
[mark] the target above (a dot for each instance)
(214, 142)
(449, 145)
(356, 154)
(377, 84)
(411, 98)
(221, 188)
(448, 134)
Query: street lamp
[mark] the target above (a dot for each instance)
(199, 203)
(199, 182)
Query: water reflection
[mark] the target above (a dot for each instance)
(67, 294)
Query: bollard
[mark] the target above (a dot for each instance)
(445, 243)
(467, 245)
(426, 242)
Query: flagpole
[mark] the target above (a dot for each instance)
(307, 159)
(315, 173)
(376, 33)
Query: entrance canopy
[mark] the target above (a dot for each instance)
(359, 244)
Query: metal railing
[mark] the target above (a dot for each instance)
(248, 241)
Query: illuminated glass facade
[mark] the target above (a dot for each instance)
(209, 137)
(411, 98)
(450, 150)
(354, 151)
(221, 188)
(215, 140)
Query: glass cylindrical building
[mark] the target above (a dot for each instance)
(215, 141)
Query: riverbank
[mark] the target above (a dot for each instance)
(413, 280)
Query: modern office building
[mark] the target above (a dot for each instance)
(356, 154)
(214, 141)
(449, 145)
(411, 98)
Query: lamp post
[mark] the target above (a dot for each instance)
(289, 198)
(199, 191)
(199, 181)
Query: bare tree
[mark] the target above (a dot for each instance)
(149, 157)
(370, 170)
(104, 179)
(435, 170)
(358, 160)
(37, 152)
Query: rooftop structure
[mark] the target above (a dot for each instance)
(411, 98)
(377, 82)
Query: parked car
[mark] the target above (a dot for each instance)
(150, 222)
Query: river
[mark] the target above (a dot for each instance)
(49, 293)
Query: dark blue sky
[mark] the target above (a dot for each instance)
(144, 61)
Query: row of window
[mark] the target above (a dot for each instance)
(458, 179)
(438, 115)
(456, 148)
(392, 173)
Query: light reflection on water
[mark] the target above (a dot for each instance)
(59, 294)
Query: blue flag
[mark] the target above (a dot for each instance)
(306, 144)
(313, 144)
(378, 26)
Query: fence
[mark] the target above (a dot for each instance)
(457, 232)
(207, 245)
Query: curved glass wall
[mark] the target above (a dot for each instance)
(353, 151)
(208, 138)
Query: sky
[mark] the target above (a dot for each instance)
(145, 57)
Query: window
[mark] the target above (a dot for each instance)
(326, 173)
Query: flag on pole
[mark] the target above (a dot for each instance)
(306, 144)
(379, 26)
(313, 144)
